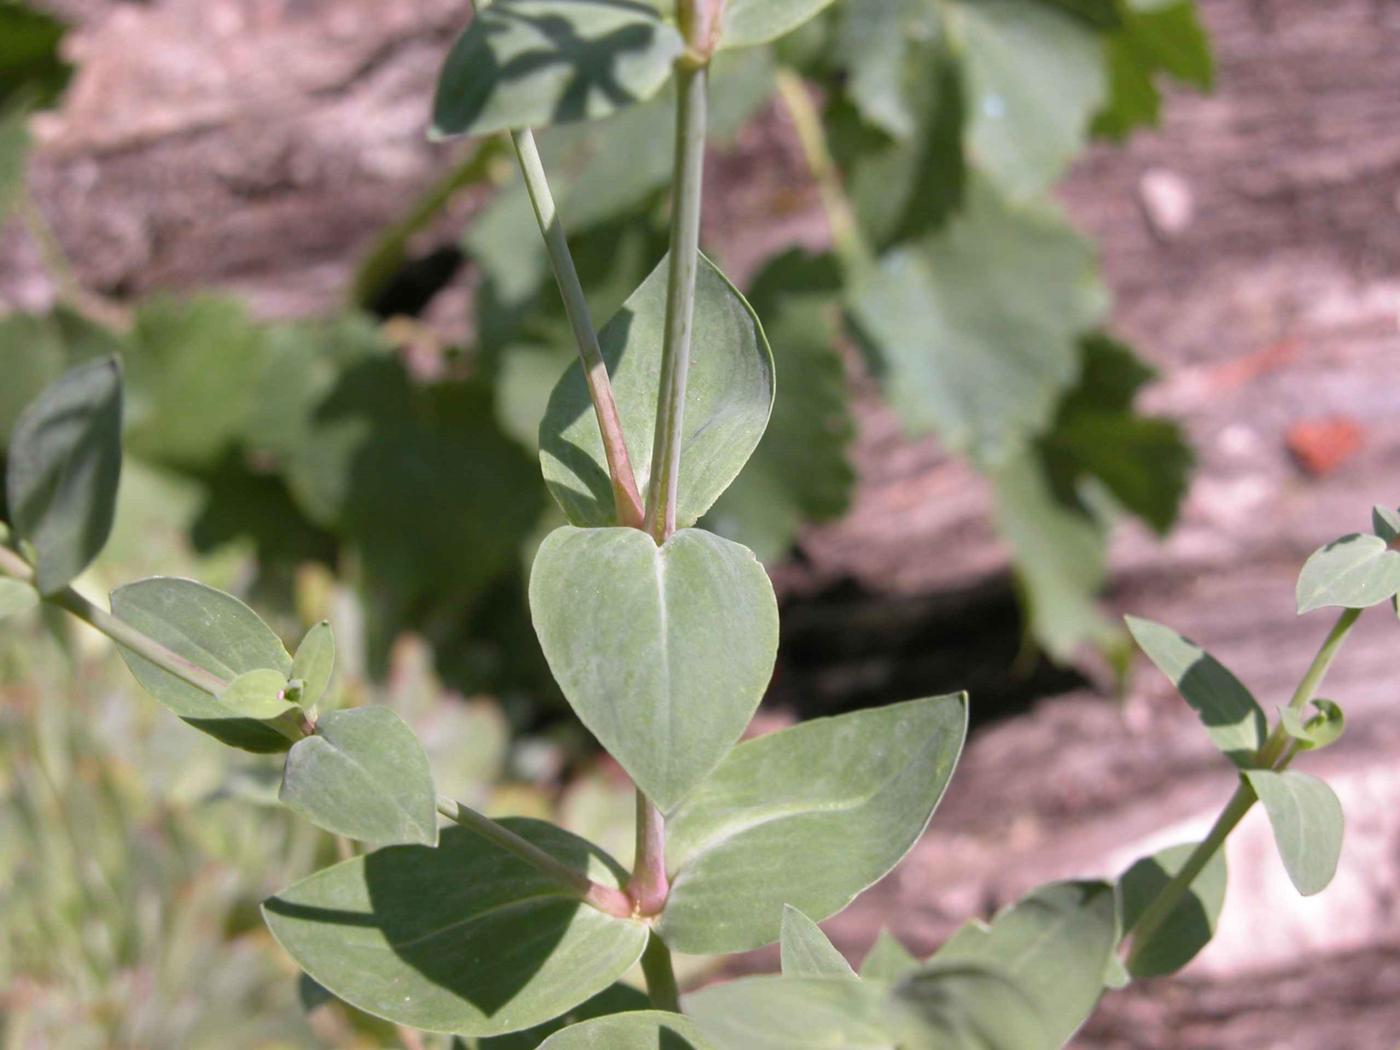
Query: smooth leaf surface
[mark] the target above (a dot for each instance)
(531, 63)
(642, 1030)
(314, 663)
(806, 951)
(1323, 728)
(849, 795)
(464, 938)
(215, 631)
(783, 1013)
(257, 694)
(977, 326)
(16, 597)
(878, 44)
(1231, 715)
(64, 464)
(1386, 523)
(617, 998)
(1155, 38)
(1034, 78)
(1191, 924)
(729, 395)
(363, 775)
(749, 22)
(1053, 944)
(888, 959)
(1307, 821)
(663, 652)
(968, 1006)
(1354, 572)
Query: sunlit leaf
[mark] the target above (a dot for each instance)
(749, 22)
(1321, 730)
(1307, 821)
(1354, 572)
(782, 1013)
(888, 959)
(643, 1030)
(618, 998)
(806, 951)
(257, 694)
(16, 597)
(314, 663)
(969, 1006)
(1190, 925)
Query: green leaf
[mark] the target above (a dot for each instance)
(1103, 14)
(1034, 77)
(617, 998)
(643, 1030)
(314, 663)
(1324, 728)
(1386, 523)
(849, 795)
(977, 326)
(1307, 821)
(1354, 572)
(31, 69)
(16, 597)
(1191, 924)
(879, 44)
(967, 1006)
(363, 775)
(465, 938)
(806, 952)
(729, 395)
(750, 22)
(1054, 945)
(888, 960)
(65, 460)
(663, 652)
(257, 694)
(14, 149)
(783, 1013)
(1231, 715)
(36, 350)
(530, 63)
(215, 631)
(801, 471)
(1155, 38)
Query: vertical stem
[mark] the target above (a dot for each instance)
(626, 496)
(660, 975)
(680, 299)
(649, 885)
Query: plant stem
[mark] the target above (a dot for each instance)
(649, 885)
(1271, 755)
(847, 241)
(626, 497)
(606, 899)
(660, 975)
(688, 179)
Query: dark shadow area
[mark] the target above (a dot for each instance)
(414, 285)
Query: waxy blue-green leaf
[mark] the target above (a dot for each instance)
(1053, 944)
(663, 652)
(642, 1030)
(1354, 572)
(729, 395)
(1385, 521)
(849, 795)
(1034, 77)
(618, 998)
(363, 775)
(314, 663)
(465, 938)
(784, 1013)
(977, 325)
(1307, 821)
(806, 951)
(878, 43)
(968, 1006)
(531, 63)
(749, 22)
(1318, 731)
(888, 959)
(1191, 924)
(65, 460)
(215, 631)
(16, 597)
(259, 694)
(1232, 717)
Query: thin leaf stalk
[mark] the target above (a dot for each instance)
(1274, 754)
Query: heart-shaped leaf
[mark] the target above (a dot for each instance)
(1307, 821)
(888, 959)
(363, 775)
(65, 458)
(1191, 924)
(664, 652)
(16, 597)
(1054, 944)
(465, 938)
(531, 63)
(643, 1030)
(729, 395)
(213, 630)
(850, 795)
(746, 23)
(1354, 572)
(1232, 716)
(806, 952)
(1319, 731)
(313, 663)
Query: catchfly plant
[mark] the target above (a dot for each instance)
(662, 636)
